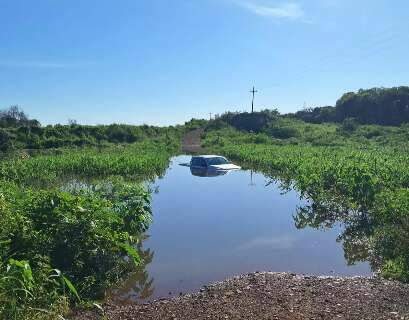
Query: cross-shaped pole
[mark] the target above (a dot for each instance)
(252, 101)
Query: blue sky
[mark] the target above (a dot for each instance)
(166, 61)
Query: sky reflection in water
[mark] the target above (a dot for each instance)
(206, 229)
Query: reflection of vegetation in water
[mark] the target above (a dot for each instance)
(138, 285)
(365, 186)
(356, 234)
(384, 242)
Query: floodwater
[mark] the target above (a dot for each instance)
(208, 228)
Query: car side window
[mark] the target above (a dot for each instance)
(203, 163)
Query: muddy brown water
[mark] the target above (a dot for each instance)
(208, 228)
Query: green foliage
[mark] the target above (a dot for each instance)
(286, 130)
(349, 125)
(386, 106)
(58, 239)
(5, 140)
(16, 286)
(396, 270)
(254, 122)
(282, 132)
(66, 234)
(195, 124)
(14, 117)
(317, 115)
(359, 181)
(17, 131)
(138, 160)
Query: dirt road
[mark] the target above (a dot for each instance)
(191, 142)
(277, 296)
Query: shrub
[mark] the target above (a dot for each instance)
(284, 132)
(83, 235)
(5, 140)
(349, 125)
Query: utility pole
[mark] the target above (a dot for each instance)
(252, 101)
(210, 116)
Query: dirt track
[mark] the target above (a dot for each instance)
(277, 296)
(191, 141)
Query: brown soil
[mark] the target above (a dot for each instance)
(192, 141)
(277, 296)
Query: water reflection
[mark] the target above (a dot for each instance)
(252, 184)
(139, 285)
(206, 230)
(357, 228)
(204, 172)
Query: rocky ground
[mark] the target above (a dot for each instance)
(276, 296)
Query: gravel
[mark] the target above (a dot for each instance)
(275, 296)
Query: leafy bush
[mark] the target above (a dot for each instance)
(84, 236)
(349, 125)
(60, 244)
(195, 124)
(284, 132)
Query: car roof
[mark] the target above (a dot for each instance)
(208, 156)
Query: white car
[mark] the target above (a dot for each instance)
(212, 162)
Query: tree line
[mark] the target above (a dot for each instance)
(383, 106)
(18, 131)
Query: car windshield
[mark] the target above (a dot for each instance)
(216, 161)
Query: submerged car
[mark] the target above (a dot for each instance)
(212, 162)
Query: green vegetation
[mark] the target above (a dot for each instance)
(357, 174)
(73, 218)
(283, 130)
(67, 235)
(384, 106)
(140, 160)
(18, 132)
(60, 246)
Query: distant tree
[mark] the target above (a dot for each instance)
(255, 122)
(317, 115)
(13, 117)
(384, 106)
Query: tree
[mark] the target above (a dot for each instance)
(13, 117)
(5, 140)
(384, 106)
